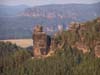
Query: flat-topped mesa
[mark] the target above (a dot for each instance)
(41, 42)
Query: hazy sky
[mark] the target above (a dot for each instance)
(43, 2)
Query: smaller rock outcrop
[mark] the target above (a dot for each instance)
(97, 49)
(80, 46)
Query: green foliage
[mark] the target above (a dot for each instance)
(66, 61)
(12, 58)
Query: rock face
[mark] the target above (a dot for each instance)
(41, 42)
(80, 46)
(98, 20)
(97, 49)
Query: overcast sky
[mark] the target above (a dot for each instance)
(43, 2)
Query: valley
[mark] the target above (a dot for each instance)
(20, 42)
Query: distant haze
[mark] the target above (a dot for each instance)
(45, 2)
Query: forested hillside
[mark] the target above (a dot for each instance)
(70, 59)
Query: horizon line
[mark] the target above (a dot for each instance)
(46, 4)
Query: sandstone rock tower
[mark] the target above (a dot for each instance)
(41, 42)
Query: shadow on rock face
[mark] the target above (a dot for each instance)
(30, 50)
